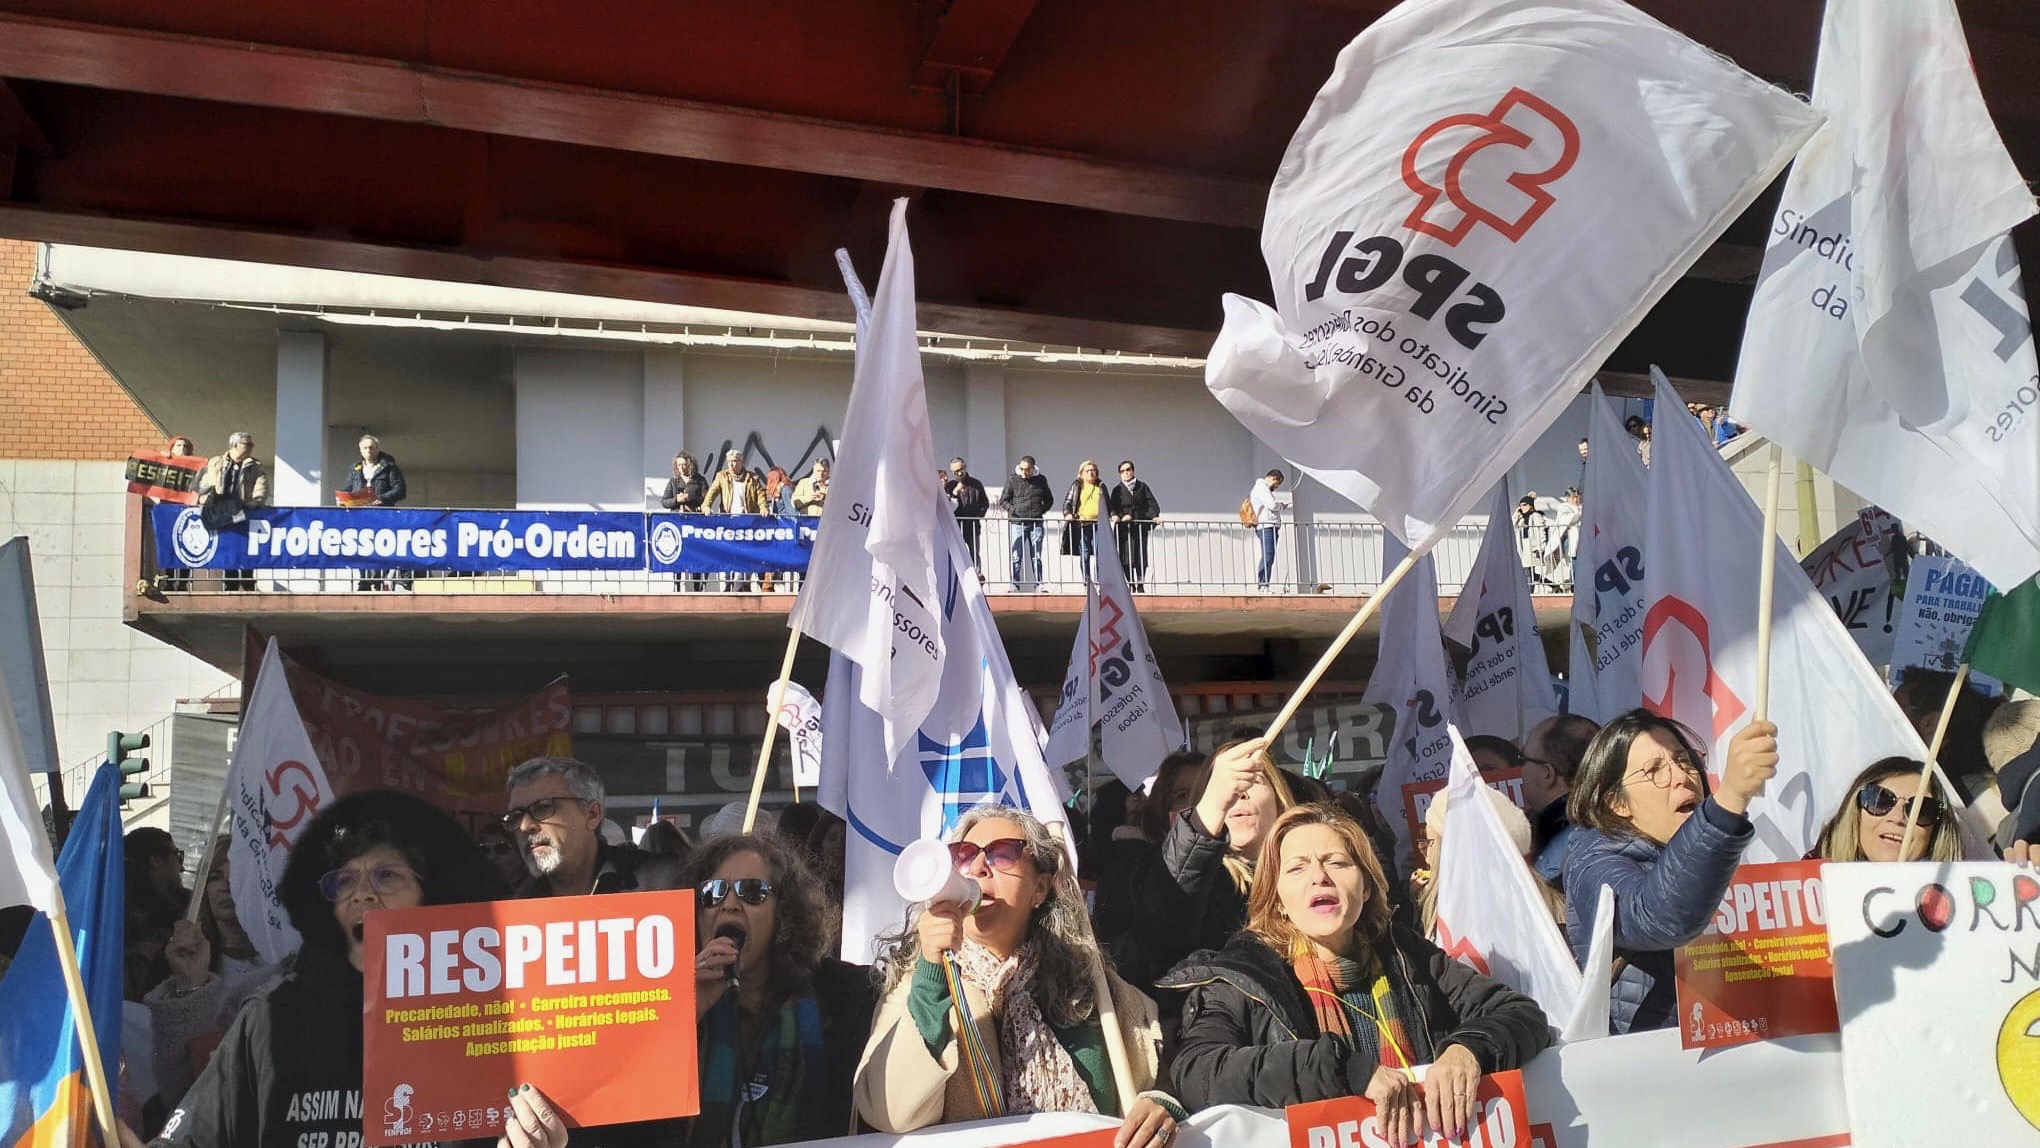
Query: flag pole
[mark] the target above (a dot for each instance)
(1767, 582)
(1108, 1011)
(81, 1014)
(772, 704)
(205, 856)
(1338, 646)
(1926, 786)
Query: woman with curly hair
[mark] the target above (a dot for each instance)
(779, 1025)
(1023, 959)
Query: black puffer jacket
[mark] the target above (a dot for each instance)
(1212, 905)
(1250, 1036)
(290, 1067)
(388, 483)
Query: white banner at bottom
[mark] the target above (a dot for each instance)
(1615, 1090)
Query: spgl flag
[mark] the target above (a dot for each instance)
(1507, 685)
(44, 1098)
(1491, 914)
(1889, 342)
(871, 585)
(275, 785)
(1833, 714)
(1410, 677)
(978, 744)
(1114, 682)
(1485, 197)
(1608, 572)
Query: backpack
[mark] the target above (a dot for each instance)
(1247, 515)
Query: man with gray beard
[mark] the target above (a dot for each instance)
(555, 816)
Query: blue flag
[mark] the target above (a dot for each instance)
(44, 1099)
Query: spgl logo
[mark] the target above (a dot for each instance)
(1477, 168)
(1424, 708)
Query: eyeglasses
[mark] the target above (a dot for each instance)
(1877, 801)
(384, 879)
(1005, 854)
(1660, 772)
(498, 848)
(538, 811)
(749, 890)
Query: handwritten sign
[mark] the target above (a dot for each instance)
(1761, 970)
(588, 999)
(1501, 1119)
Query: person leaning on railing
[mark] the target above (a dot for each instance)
(379, 475)
(1026, 500)
(233, 484)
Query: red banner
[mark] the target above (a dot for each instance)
(590, 1000)
(456, 760)
(1501, 1117)
(1762, 969)
(163, 478)
(1417, 797)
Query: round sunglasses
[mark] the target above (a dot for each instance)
(1005, 854)
(384, 879)
(749, 890)
(1877, 801)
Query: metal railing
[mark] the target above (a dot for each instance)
(1186, 555)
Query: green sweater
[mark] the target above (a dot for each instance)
(928, 1002)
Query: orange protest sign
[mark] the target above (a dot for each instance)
(1501, 1119)
(588, 999)
(1418, 795)
(1100, 1138)
(163, 478)
(1761, 970)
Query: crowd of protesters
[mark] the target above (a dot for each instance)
(1264, 941)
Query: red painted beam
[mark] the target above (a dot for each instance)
(971, 40)
(201, 68)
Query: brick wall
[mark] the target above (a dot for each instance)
(56, 401)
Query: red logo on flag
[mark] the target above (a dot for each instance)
(1476, 168)
(1675, 637)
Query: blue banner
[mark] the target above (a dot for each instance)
(740, 543)
(481, 541)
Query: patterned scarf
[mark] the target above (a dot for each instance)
(771, 1094)
(1036, 1073)
(1341, 990)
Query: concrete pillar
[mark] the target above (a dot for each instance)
(665, 425)
(298, 476)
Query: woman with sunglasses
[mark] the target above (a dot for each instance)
(1870, 826)
(1324, 995)
(1023, 959)
(366, 851)
(779, 1025)
(1649, 826)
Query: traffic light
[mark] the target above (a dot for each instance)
(118, 746)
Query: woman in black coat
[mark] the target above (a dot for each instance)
(686, 492)
(1321, 996)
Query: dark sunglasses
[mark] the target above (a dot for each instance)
(538, 811)
(1877, 801)
(749, 890)
(384, 879)
(1005, 854)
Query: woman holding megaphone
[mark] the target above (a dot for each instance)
(1029, 1034)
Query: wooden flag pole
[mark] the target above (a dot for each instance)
(773, 701)
(1767, 582)
(205, 857)
(1338, 646)
(81, 1014)
(1926, 786)
(1108, 1011)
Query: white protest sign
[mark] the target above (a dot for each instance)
(1937, 972)
(1942, 599)
(1853, 572)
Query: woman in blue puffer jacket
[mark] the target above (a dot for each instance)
(1650, 827)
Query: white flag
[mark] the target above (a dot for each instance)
(1486, 196)
(1125, 690)
(800, 715)
(1832, 711)
(276, 785)
(1607, 610)
(27, 874)
(1411, 678)
(872, 575)
(976, 745)
(1491, 914)
(1507, 687)
(1889, 343)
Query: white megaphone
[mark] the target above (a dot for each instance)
(925, 873)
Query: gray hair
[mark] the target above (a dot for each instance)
(239, 437)
(1060, 928)
(582, 781)
(368, 438)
